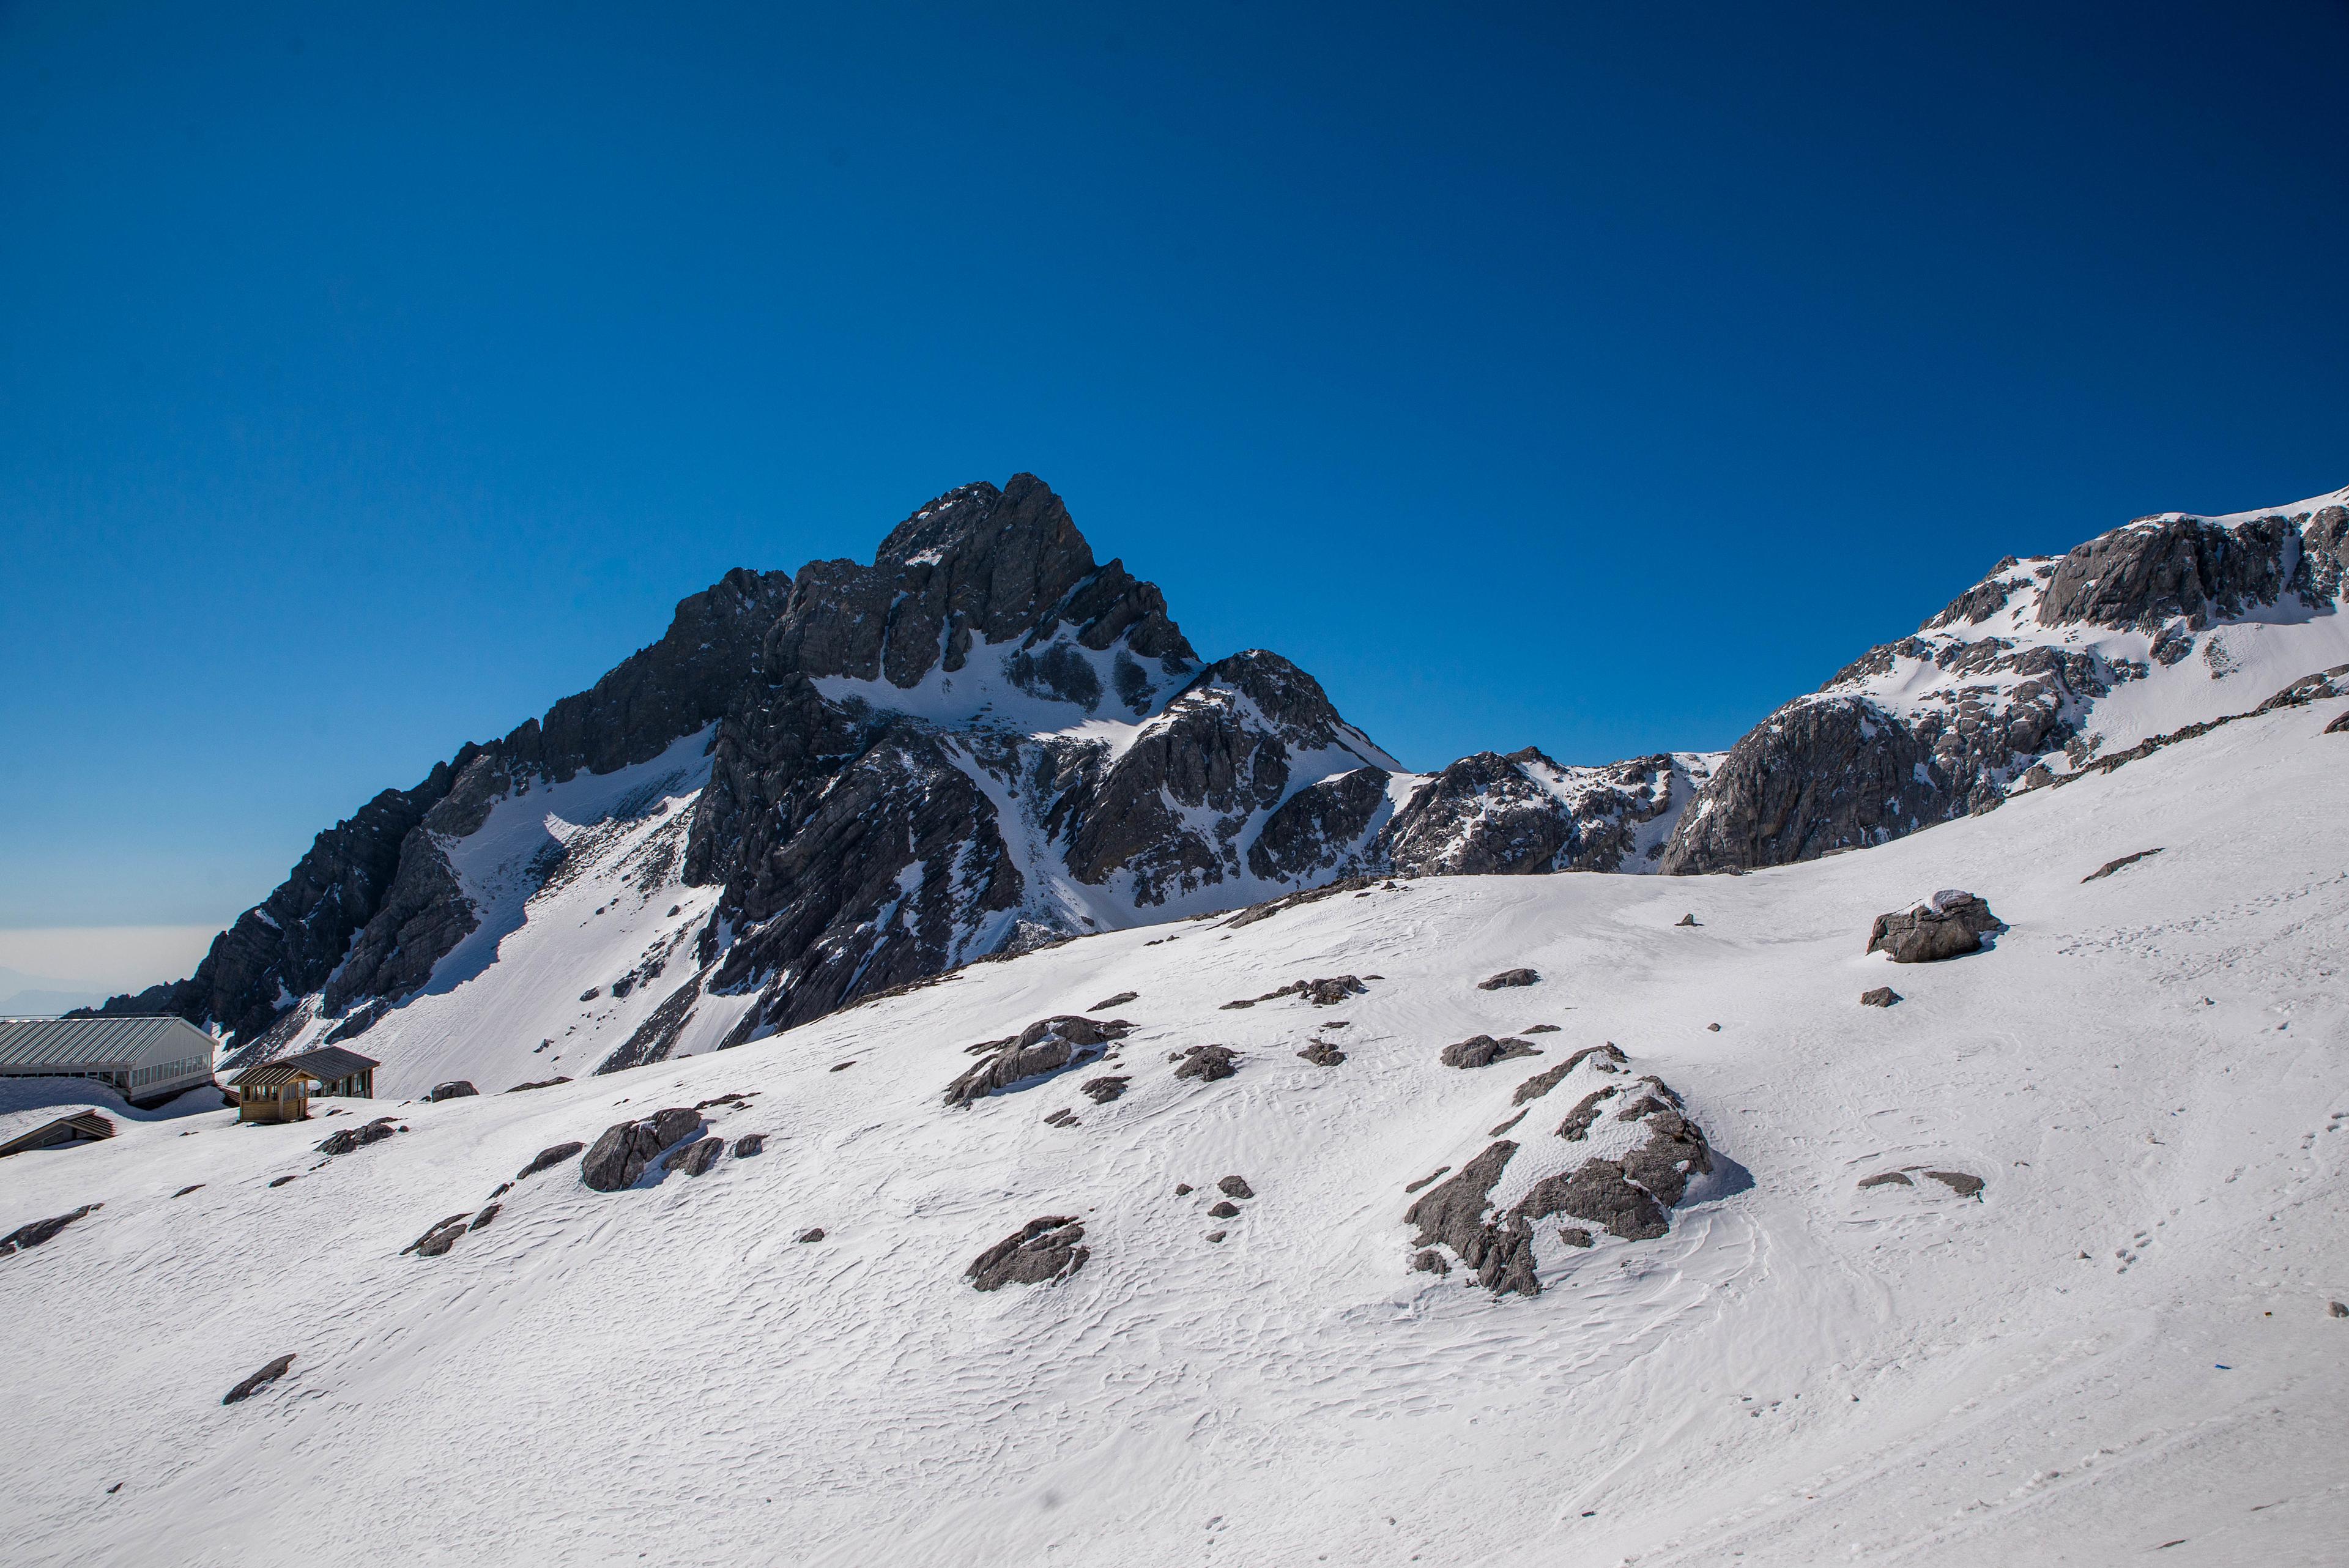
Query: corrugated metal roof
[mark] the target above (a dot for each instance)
(270, 1072)
(77, 1042)
(330, 1062)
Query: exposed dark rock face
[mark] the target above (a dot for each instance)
(1509, 977)
(657, 1037)
(455, 1089)
(1208, 1063)
(1221, 751)
(621, 1156)
(2159, 567)
(2340, 725)
(1949, 925)
(1039, 1252)
(748, 1145)
(1601, 1191)
(1102, 1090)
(1047, 1046)
(1489, 814)
(349, 1138)
(1882, 996)
(1323, 827)
(696, 1158)
(1483, 1050)
(251, 1386)
(36, 1232)
(488, 1213)
(1842, 769)
(544, 1157)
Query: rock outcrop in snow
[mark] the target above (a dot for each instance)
(2028, 675)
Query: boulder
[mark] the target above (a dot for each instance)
(1321, 1054)
(1959, 1182)
(749, 1144)
(1882, 996)
(1508, 978)
(1235, 1187)
(1120, 999)
(1224, 1209)
(482, 1220)
(1102, 1090)
(1885, 1179)
(258, 1381)
(621, 1154)
(1483, 1050)
(1685, 921)
(454, 1089)
(1208, 1063)
(1039, 1252)
(553, 1154)
(815, 1234)
(1948, 925)
(349, 1138)
(1045, 1047)
(696, 1158)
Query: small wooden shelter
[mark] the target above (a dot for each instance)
(81, 1126)
(281, 1091)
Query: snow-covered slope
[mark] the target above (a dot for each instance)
(2122, 1346)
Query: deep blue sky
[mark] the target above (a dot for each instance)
(1593, 376)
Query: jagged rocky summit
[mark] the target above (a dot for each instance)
(815, 788)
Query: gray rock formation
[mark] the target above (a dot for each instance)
(1321, 1054)
(1949, 925)
(1041, 1252)
(1047, 1046)
(1507, 977)
(1882, 996)
(349, 1138)
(1483, 1050)
(1207, 1064)
(1489, 814)
(626, 1148)
(2110, 867)
(455, 1089)
(697, 1157)
(436, 1241)
(1235, 1187)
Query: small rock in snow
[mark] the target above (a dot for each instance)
(1102, 1090)
(541, 1083)
(1120, 999)
(454, 1089)
(1483, 1050)
(842, 1066)
(555, 1155)
(2110, 867)
(1224, 1209)
(1063, 1118)
(281, 1181)
(1235, 1187)
(1217, 1235)
(1539, 1029)
(40, 1230)
(349, 1138)
(1208, 1063)
(1882, 996)
(258, 1381)
(1574, 1236)
(1183, 1189)
(696, 1158)
(815, 1234)
(1959, 1182)
(1715, 1028)
(440, 1238)
(1507, 977)
(1321, 1054)
(749, 1144)
(482, 1219)
(185, 1190)
(2337, 1309)
(1890, 1179)
(1685, 921)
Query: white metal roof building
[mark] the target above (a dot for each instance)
(145, 1060)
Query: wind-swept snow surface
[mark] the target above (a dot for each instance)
(2118, 1345)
